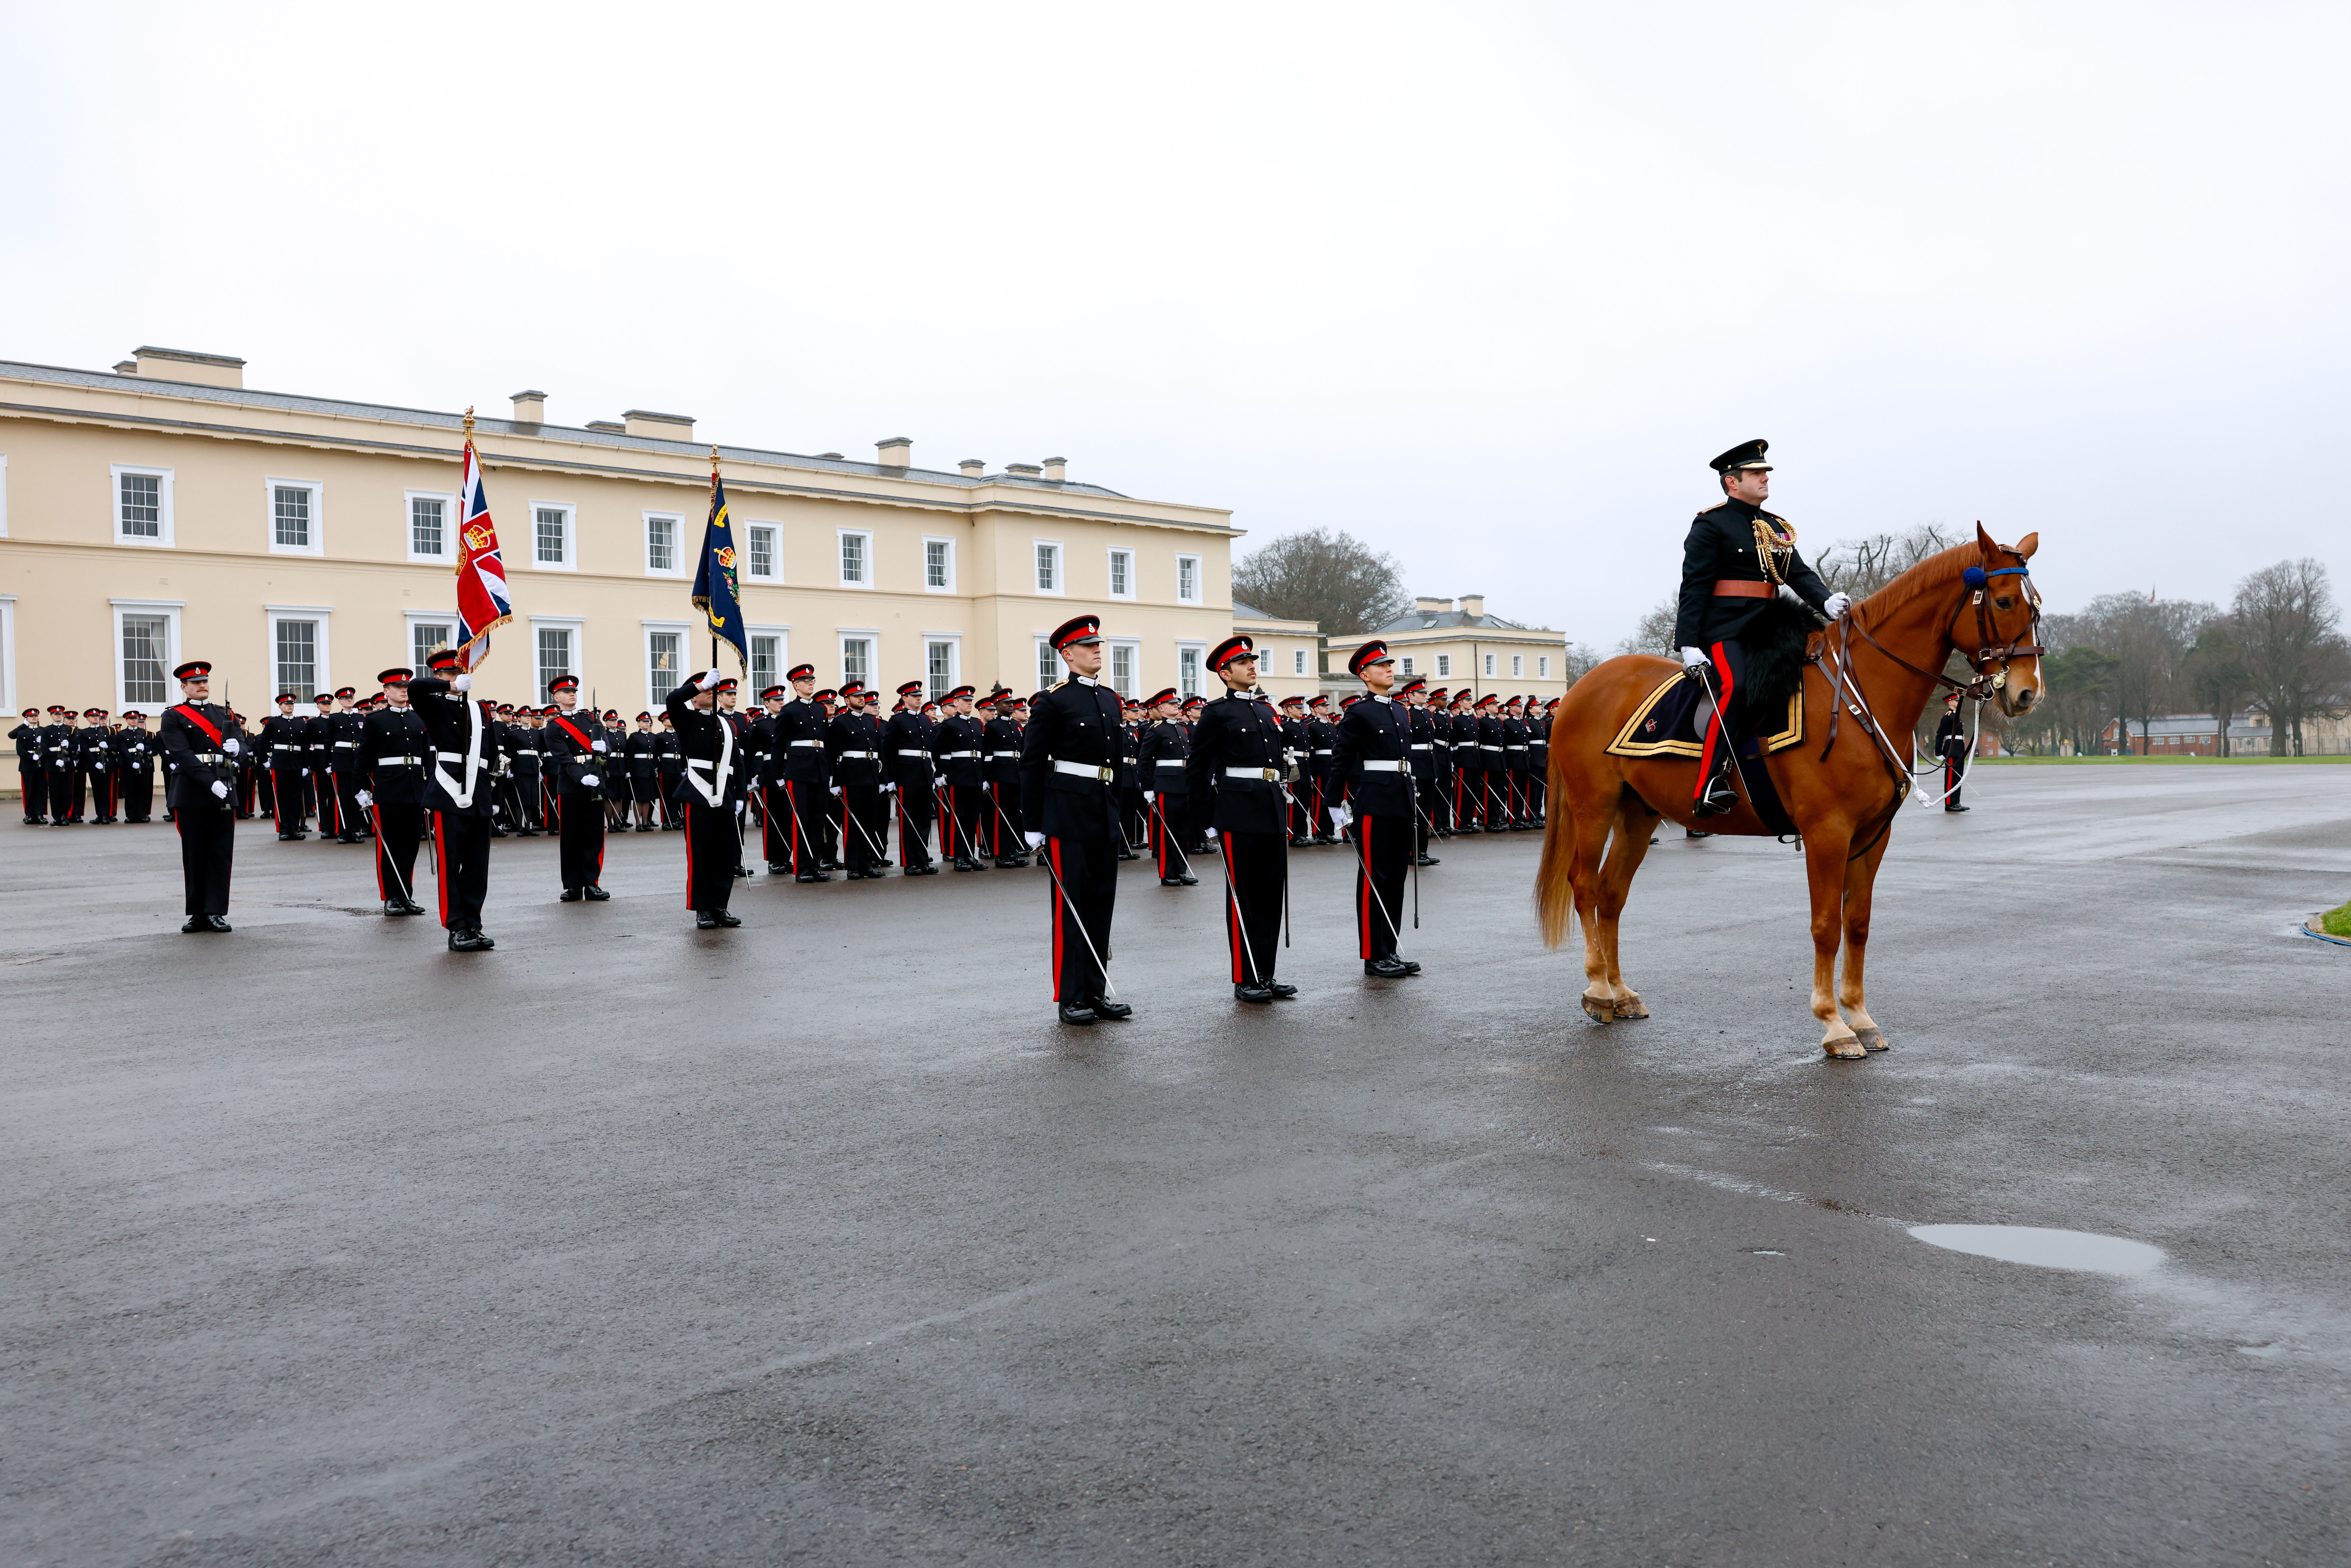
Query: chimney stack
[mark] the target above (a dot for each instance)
(529, 407)
(1429, 605)
(663, 426)
(1025, 470)
(182, 365)
(894, 452)
(1473, 604)
(126, 367)
(1057, 470)
(972, 467)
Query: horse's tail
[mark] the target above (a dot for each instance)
(1556, 876)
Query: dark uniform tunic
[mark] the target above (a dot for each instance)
(956, 747)
(1374, 753)
(576, 754)
(1321, 776)
(642, 766)
(201, 744)
(906, 763)
(1537, 765)
(283, 739)
(1235, 777)
(1000, 743)
(852, 748)
(64, 773)
(1468, 770)
(391, 759)
(1069, 792)
(1721, 548)
(709, 759)
(1428, 788)
(461, 793)
(342, 777)
(134, 773)
(94, 761)
(1162, 760)
(1951, 745)
(32, 777)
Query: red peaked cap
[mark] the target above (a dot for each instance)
(1371, 652)
(1231, 648)
(1079, 629)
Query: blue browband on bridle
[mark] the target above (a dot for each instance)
(1975, 576)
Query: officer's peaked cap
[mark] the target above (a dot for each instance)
(1231, 648)
(564, 683)
(398, 675)
(194, 669)
(800, 672)
(1081, 629)
(1371, 652)
(1746, 454)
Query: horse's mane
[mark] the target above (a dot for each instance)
(1937, 571)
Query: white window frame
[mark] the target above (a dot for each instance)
(409, 621)
(170, 610)
(1543, 666)
(685, 629)
(1297, 662)
(323, 615)
(448, 499)
(777, 554)
(269, 488)
(1048, 666)
(1134, 645)
(1200, 669)
(783, 636)
(645, 534)
(8, 703)
(1198, 571)
(1518, 666)
(1061, 589)
(578, 630)
(570, 561)
(954, 640)
(1489, 665)
(1444, 666)
(949, 586)
(1110, 571)
(115, 470)
(1404, 666)
(871, 636)
(840, 565)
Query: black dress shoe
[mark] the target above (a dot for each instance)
(812, 876)
(218, 924)
(1171, 882)
(393, 906)
(704, 920)
(1424, 860)
(411, 908)
(1959, 808)
(469, 941)
(1411, 966)
(197, 925)
(1076, 1012)
(1128, 856)
(965, 862)
(595, 894)
(930, 870)
(720, 917)
(777, 868)
(1252, 991)
(1281, 990)
(1188, 880)
(742, 871)
(1110, 1009)
(568, 896)
(1386, 968)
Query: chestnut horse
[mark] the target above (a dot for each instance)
(1866, 681)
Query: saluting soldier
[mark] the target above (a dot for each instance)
(578, 754)
(1374, 746)
(706, 744)
(389, 762)
(1162, 757)
(31, 738)
(1735, 560)
(134, 766)
(201, 745)
(956, 747)
(460, 792)
(1001, 766)
(1236, 776)
(1069, 805)
(907, 775)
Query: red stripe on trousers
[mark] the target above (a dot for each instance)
(1363, 886)
(381, 891)
(1054, 849)
(1232, 909)
(1714, 735)
(689, 860)
(441, 866)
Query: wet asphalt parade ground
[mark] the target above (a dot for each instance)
(818, 1241)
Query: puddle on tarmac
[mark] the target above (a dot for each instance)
(2045, 1249)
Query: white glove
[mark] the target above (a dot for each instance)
(229, 746)
(365, 797)
(709, 681)
(462, 683)
(98, 767)
(306, 773)
(889, 788)
(1036, 840)
(598, 746)
(1693, 658)
(1212, 835)
(219, 791)
(1338, 816)
(1149, 796)
(1836, 604)
(589, 779)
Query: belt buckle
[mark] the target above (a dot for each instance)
(1109, 775)
(1272, 775)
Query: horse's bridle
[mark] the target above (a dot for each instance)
(1979, 582)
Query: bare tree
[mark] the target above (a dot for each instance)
(1862, 566)
(2295, 660)
(1655, 634)
(2148, 640)
(1581, 661)
(2217, 678)
(1324, 575)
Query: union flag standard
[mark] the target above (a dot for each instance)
(483, 603)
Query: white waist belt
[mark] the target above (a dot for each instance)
(399, 762)
(808, 743)
(1269, 775)
(999, 756)
(1370, 767)
(972, 754)
(862, 756)
(1085, 770)
(1483, 747)
(1514, 749)
(345, 744)
(1420, 746)
(1173, 762)
(1321, 751)
(903, 752)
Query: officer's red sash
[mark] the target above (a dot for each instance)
(200, 721)
(573, 731)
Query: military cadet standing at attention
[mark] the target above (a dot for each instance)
(134, 766)
(852, 743)
(642, 754)
(201, 746)
(66, 776)
(907, 775)
(288, 754)
(1161, 758)
(955, 745)
(578, 754)
(796, 805)
(391, 762)
(94, 759)
(530, 756)
(460, 792)
(1069, 807)
(317, 749)
(1238, 773)
(706, 743)
(1001, 766)
(1422, 728)
(1951, 745)
(30, 738)
(1375, 745)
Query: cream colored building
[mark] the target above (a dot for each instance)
(1288, 652)
(161, 510)
(1467, 648)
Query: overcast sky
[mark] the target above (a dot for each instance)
(1485, 284)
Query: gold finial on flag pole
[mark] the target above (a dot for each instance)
(469, 422)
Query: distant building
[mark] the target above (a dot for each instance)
(2189, 735)
(1289, 652)
(1466, 647)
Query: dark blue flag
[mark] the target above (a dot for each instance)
(715, 585)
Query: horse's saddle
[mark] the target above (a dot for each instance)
(1668, 723)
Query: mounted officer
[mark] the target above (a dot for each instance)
(1737, 559)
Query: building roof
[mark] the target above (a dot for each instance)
(1445, 620)
(390, 414)
(1251, 613)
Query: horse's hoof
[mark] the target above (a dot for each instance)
(1872, 1039)
(1844, 1048)
(1631, 1008)
(1599, 1010)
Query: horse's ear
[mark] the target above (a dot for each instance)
(2027, 545)
(1985, 541)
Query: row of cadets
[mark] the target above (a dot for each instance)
(956, 744)
(60, 765)
(1163, 758)
(906, 774)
